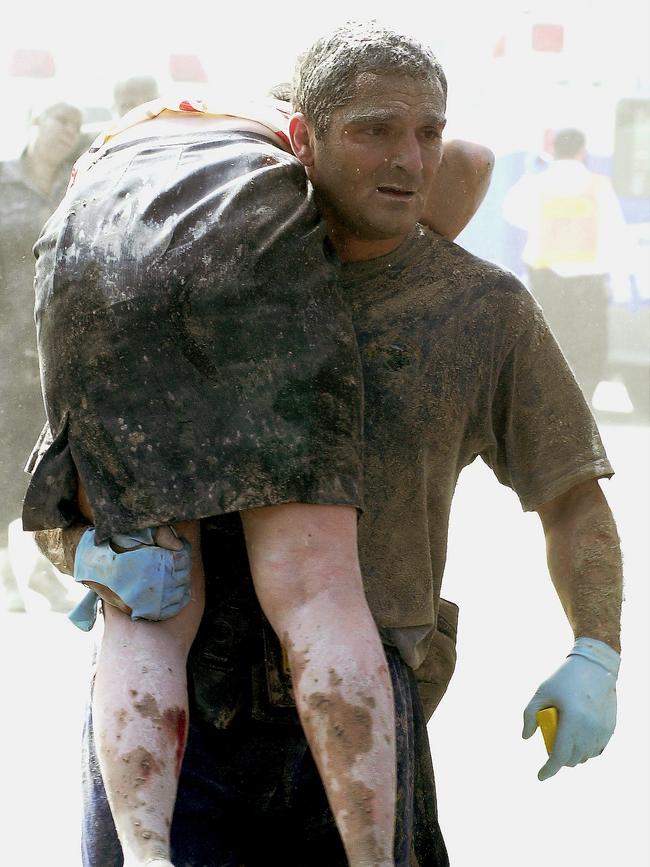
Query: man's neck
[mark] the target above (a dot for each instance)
(352, 248)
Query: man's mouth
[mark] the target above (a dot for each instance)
(396, 192)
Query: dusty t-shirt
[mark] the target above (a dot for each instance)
(457, 362)
(197, 356)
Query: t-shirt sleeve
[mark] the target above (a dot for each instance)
(544, 437)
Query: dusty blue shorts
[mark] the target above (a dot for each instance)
(251, 794)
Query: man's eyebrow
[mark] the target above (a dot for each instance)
(386, 115)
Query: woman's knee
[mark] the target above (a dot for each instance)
(303, 556)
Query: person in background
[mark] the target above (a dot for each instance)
(575, 247)
(133, 91)
(127, 94)
(31, 187)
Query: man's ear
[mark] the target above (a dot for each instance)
(300, 133)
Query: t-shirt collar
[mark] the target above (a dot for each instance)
(354, 273)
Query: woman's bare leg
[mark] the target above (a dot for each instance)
(305, 567)
(140, 717)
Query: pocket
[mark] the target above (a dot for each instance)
(220, 664)
(434, 674)
(272, 691)
(447, 621)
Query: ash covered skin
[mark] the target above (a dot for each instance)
(348, 736)
(172, 721)
(584, 564)
(139, 767)
(367, 850)
(351, 731)
(121, 720)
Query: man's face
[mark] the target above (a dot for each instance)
(133, 92)
(374, 168)
(58, 129)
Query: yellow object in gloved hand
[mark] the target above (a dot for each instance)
(583, 690)
(547, 721)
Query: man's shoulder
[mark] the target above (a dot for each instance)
(473, 288)
(453, 262)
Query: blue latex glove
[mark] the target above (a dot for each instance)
(152, 581)
(584, 692)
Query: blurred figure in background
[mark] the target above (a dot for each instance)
(30, 189)
(133, 91)
(576, 245)
(127, 94)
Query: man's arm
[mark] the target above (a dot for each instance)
(460, 186)
(584, 559)
(585, 564)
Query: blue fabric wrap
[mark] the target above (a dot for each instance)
(154, 582)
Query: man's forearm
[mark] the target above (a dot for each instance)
(60, 545)
(584, 559)
(459, 187)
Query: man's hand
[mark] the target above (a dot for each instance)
(145, 574)
(584, 692)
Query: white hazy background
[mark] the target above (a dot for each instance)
(513, 634)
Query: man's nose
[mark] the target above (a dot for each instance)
(408, 155)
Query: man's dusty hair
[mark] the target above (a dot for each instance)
(325, 74)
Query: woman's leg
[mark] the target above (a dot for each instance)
(306, 572)
(140, 716)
